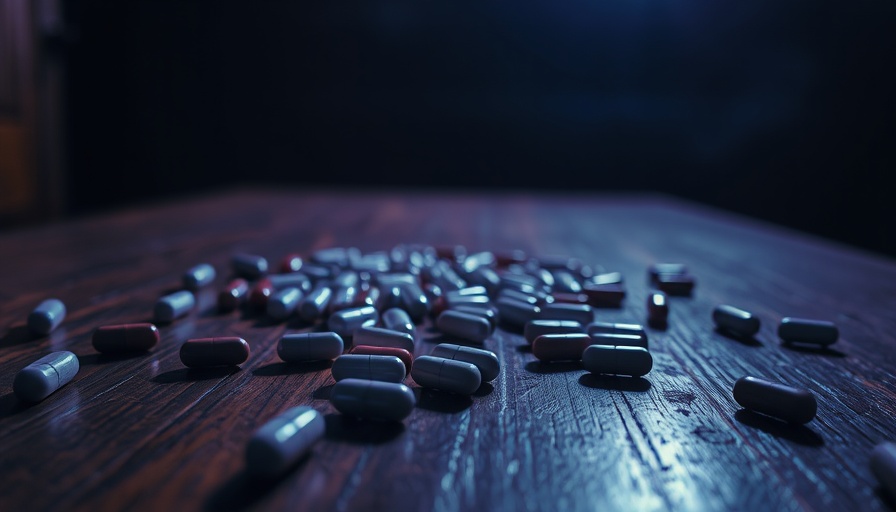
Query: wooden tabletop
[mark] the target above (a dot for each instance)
(143, 433)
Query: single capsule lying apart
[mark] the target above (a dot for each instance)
(657, 309)
(199, 276)
(368, 367)
(46, 317)
(310, 346)
(173, 306)
(883, 465)
(281, 442)
(735, 320)
(464, 325)
(207, 352)
(484, 360)
(634, 361)
(114, 339)
(41, 378)
(793, 405)
(372, 399)
(446, 374)
(802, 330)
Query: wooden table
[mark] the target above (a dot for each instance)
(142, 433)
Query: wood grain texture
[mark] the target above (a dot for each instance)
(143, 433)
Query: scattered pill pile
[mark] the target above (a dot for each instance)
(371, 305)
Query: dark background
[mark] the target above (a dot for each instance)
(781, 110)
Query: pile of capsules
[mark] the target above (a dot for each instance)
(374, 301)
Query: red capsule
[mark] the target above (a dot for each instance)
(261, 292)
(406, 357)
(111, 339)
(291, 263)
(233, 295)
(204, 352)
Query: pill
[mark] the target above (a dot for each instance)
(176, 305)
(314, 305)
(379, 337)
(291, 263)
(543, 275)
(345, 279)
(333, 256)
(283, 441)
(657, 309)
(310, 346)
(111, 339)
(406, 357)
(486, 277)
(613, 360)
(465, 292)
(371, 263)
(391, 298)
(394, 279)
(560, 347)
(883, 466)
(249, 266)
(619, 340)
(568, 298)
(582, 313)
(369, 296)
(446, 374)
(612, 328)
(464, 325)
(369, 367)
(606, 278)
(676, 284)
(397, 319)
(345, 322)
(477, 260)
(565, 282)
(294, 280)
(737, 321)
(283, 304)
(316, 273)
(233, 295)
(793, 405)
(414, 301)
(658, 269)
(46, 317)
(606, 295)
(371, 399)
(484, 360)
(507, 293)
(516, 313)
(802, 330)
(344, 297)
(488, 312)
(519, 281)
(260, 293)
(536, 328)
(42, 377)
(205, 352)
(199, 276)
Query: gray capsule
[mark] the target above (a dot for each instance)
(619, 340)
(487, 312)
(397, 319)
(199, 276)
(734, 320)
(518, 295)
(249, 266)
(283, 304)
(467, 300)
(801, 330)
(173, 306)
(446, 374)
(560, 347)
(373, 399)
(46, 317)
(281, 442)
(370, 367)
(484, 360)
(379, 337)
(516, 313)
(634, 361)
(484, 276)
(883, 466)
(414, 301)
(41, 378)
(793, 405)
(582, 313)
(464, 325)
(315, 304)
(565, 282)
(291, 280)
(611, 328)
(466, 292)
(345, 322)
(310, 346)
(606, 278)
(536, 328)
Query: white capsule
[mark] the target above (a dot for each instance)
(173, 306)
(310, 346)
(46, 317)
(281, 442)
(446, 374)
(41, 378)
(368, 367)
(283, 304)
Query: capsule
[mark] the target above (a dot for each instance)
(233, 295)
(489, 313)
(612, 328)
(486, 277)
(446, 374)
(484, 360)
(560, 347)
(565, 282)
(508, 293)
(338, 256)
(369, 367)
(793, 405)
(176, 305)
(372, 399)
(261, 294)
(206, 352)
(676, 284)
(41, 378)
(478, 260)
(46, 317)
(314, 305)
(310, 346)
(379, 337)
(734, 320)
(568, 298)
(606, 278)
(581, 313)
(619, 340)
(344, 297)
(801, 330)
(657, 309)
(345, 322)
(883, 466)
(283, 441)
(517, 313)
(283, 304)
(317, 273)
(633, 361)
(113, 339)
(414, 301)
(463, 325)
(536, 328)
(294, 280)
(406, 357)
(199, 276)
(249, 265)
(658, 269)
(397, 319)
(606, 295)
(291, 263)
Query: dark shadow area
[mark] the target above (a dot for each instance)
(556, 367)
(323, 392)
(361, 431)
(194, 374)
(808, 348)
(749, 341)
(241, 492)
(262, 320)
(10, 405)
(484, 390)
(441, 401)
(524, 349)
(297, 323)
(615, 382)
(511, 328)
(888, 499)
(98, 358)
(16, 335)
(277, 369)
(659, 325)
(799, 434)
(603, 304)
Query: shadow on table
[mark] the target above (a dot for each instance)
(799, 434)
(356, 430)
(749, 341)
(16, 335)
(10, 405)
(888, 499)
(97, 358)
(812, 349)
(615, 382)
(241, 492)
(442, 401)
(558, 367)
(278, 369)
(194, 374)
